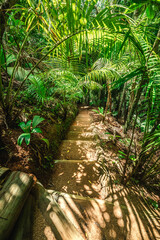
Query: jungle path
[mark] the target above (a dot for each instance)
(83, 187)
(77, 168)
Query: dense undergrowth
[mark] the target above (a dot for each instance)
(57, 54)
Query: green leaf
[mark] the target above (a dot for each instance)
(20, 140)
(25, 127)
(37, 120)
(2, 57)
(22, 125)
(150, 12)
(20, 73)
(10, 59)
(36, 130)
(83, 21)
(96, 111)
(46, 141)
(26, 136)
(124, 41)
(122, 153)
(28, 124)
(127, 77)
(153, 203)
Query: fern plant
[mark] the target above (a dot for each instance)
(39, 90)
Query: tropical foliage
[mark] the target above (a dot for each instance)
(29, 128)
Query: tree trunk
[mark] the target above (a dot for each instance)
(23, 227)
(12, 198)
(135, 103)
(3, 173)
(121, 101)
(4, 5)
(60, 225)
(109, 99)
(157, 122)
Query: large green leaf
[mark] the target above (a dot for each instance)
(127, 77)
(37, 120)
(46, 141)
(20, 73)
(150, 11)
(26, 137)
(25, 127)
(10, 58)
(36, 130)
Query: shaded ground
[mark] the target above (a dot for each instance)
(20, 158)
(92, 197)
(36, 157)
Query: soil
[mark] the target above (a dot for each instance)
(86, 178)
(35, 158)
(18, 158)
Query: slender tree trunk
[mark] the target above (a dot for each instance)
(135, 103)
(132, 94)
(4, 5)
(1, 88)
(125, 111)
(148, 114)
(121, 101)
(109, 99)
(127, 158)
(157, 122)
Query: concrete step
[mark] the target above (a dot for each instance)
(74, 135)
(84, 113)
(123, 216)
(81, 128)
(73, 161)
(83, 117)
(94, 218)
(82, 180)
(81, 123)
(77, 150)
(50, 222)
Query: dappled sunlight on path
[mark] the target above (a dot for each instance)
(86, 192)
(121, 216)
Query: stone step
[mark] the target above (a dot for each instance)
(84, 121)
(81, 128)
(73, 161)
(81, 123)
(123, 216)
(94, 218)
(74, 135)
(84, 113)
(50, 222)
(77, 150)
(83, 117)
(80, 178)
